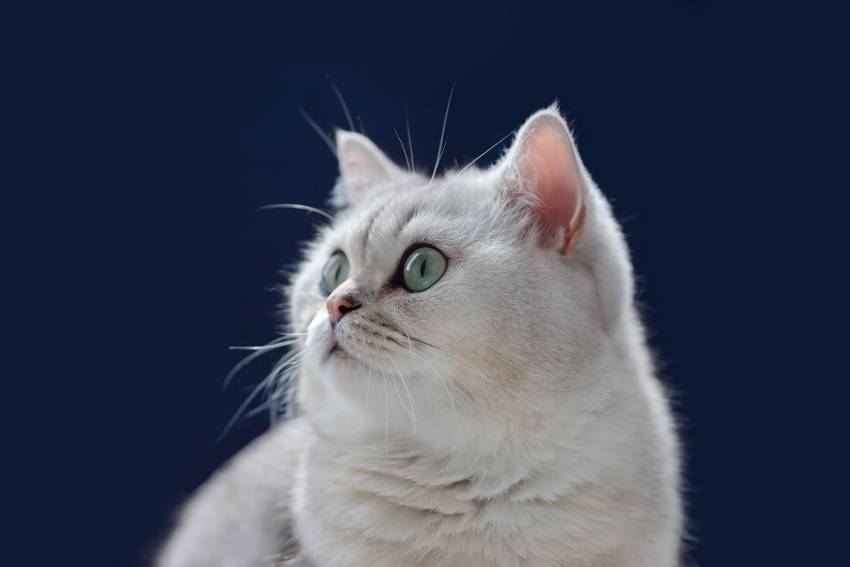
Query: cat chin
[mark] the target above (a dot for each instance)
(336, 353)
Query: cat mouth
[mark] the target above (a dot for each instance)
(339, 353)
(336, 350)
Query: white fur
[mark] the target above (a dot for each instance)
(507, 416)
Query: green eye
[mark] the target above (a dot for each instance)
(423, 268)
(334, 273)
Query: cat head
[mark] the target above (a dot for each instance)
(468, 302)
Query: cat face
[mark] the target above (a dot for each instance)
(467, 298)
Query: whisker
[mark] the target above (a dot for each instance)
(440, 155)
(256, 411)
(318, 129)
(412, 410)
(242, 409)
(386, 416)
(409, 139)
(284, 391)
(448, 383)
(418, 340)
(296, 206)
(441, 378)
(265, 386)
(409, 399)
(342, 103)
(404, 150)
(395, 329)
(262, 347)
(443, 132)
(259, 351)
(487, 151)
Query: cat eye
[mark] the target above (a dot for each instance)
(334, 273)
(422, 268)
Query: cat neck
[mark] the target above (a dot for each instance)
(366, 489)
(462, 461)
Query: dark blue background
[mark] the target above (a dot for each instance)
(158, 134)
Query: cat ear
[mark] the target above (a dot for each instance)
(543, 169)
(362, 166)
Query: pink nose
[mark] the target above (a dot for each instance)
(339, 306)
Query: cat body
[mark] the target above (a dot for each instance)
(507, 414)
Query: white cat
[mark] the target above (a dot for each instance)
(474, 386)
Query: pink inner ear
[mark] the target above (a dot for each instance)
(549, 165)
(359, 169)
(357, 173)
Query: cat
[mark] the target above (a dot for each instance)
(474, 386)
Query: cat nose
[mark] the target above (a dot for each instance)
(339, 306)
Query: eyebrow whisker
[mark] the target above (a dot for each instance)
(485, 152)
(443, 133)
(404, 150)
(298, 207)
(342, 103)
(318, 130)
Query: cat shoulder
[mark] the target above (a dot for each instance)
(241, 515)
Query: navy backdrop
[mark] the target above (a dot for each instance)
(171, 129)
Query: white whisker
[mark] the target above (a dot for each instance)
(443, 133)
(409, 398)
(400, 401)
(342, 103)
(262, 347)
(296, 206)
(406, 159)
(242, 408)
(442, 379)
(259, 351)
(487, 151)
(386, 416)
(409, 139)
(318, 129)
